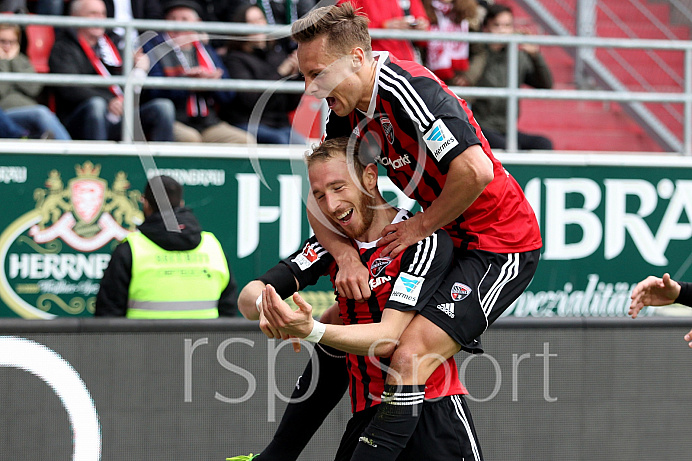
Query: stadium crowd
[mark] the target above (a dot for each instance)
(30, 111)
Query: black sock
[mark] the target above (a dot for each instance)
(391, 428)
(301, 420)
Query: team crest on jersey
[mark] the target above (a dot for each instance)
(306, 258)
(378, 265)
(388, 129)
(356, 131)
(460, 291)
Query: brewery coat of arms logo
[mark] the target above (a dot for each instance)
(53, 255)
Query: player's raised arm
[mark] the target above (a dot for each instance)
(469, 174)
(378, 339)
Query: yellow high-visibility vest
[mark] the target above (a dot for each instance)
(176, 284)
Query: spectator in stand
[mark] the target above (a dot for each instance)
(393, 14)
(130, 9)
(254, 58)
(284, 12)
(183, 54)
(449, 59)
(489, 69)
(96, 112)
(13, 6)
(219, 10)
(18, 99)
(158, 273)
(9, 129)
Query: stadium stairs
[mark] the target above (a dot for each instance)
(606, 126)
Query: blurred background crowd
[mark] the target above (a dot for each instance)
(94, 113)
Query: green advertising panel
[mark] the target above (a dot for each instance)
(605, 224)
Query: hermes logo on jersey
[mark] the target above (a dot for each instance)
(439, 139)
(378, 265)
(460, 291)
(407, 289)
(396, 163)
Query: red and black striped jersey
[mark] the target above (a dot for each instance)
(404, 283)
(415, 126)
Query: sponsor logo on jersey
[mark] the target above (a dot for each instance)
(388, 129)
(306, 258)
(378, 265)
(439, 139)
(447, 308)
(377, 281)
(394, 163)
(55, 255)
(407, 289)
(460, 291)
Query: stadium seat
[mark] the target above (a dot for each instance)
(306, 119)
(40, 41)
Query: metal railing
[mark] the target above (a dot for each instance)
(512, 93)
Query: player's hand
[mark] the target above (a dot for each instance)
(688, 338)
(266, 327)
(397, 237)
(280, 315)
(269, 330)
(653, 291)
(352, 279)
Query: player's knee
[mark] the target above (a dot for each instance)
(405, 362)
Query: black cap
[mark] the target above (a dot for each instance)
(193, 5)
(170, 186)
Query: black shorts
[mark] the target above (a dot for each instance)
(444, 432)
(479, 287)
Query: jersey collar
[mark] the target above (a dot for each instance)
(380, 57)
(402, 215)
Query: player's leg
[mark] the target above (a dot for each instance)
(356, 425)
(445, 432)
(301, 420)
(480, 286)
(422, 348)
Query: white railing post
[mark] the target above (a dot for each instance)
(512, 100)
(586, 27)
(687, 119)
(127, 126)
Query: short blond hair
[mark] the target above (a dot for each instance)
(348, 148)
(343, 26)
